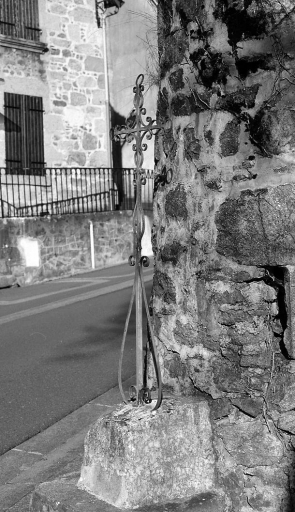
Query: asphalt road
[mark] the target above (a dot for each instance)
(59, 348)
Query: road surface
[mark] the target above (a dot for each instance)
(59, 347)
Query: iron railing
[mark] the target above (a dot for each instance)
(58, 191)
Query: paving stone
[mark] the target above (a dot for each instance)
(12, 461)
(10, 494)
(64, 496)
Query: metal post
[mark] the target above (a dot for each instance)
(107, 93)
(2, 204)
(92, 244)
(138, 291)
(103, 13)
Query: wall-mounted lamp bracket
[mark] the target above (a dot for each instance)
(104, 5)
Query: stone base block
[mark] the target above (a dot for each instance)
(64, 496)
(134, 457)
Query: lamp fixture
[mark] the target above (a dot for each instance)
(113, 3)
(104, 5)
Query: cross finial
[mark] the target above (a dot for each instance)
(135, 130)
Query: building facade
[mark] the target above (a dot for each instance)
(52, 85)
(67, 71)
(56, 87)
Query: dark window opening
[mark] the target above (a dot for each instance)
(23, 124)
(20, 19)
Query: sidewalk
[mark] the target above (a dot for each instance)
(55, 452)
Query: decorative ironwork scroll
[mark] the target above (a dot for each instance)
(135, 130)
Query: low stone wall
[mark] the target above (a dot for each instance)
(35, 249)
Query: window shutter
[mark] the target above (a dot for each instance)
(7, 18)
(20, 18)
(13, 130)
(34, 130)
(24, 132)
(29, 19)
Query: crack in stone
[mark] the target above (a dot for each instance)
(262, 226)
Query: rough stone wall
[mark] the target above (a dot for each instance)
(63, 244)
(223, 295)
(69, 77)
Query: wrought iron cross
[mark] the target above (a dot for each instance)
(135, 130)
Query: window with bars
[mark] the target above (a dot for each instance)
(23, 124)
(20, 19)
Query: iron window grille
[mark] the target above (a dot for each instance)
(23, 124)
(20, 19)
